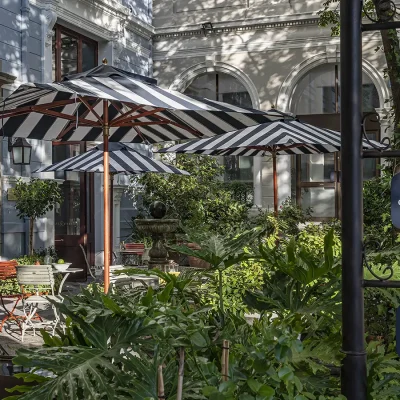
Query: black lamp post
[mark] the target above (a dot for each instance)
(21, 151)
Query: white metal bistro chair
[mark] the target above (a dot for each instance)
(38, 277)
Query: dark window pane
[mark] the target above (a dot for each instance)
(69, 55)
(240, 99)
(54, 62)
(88, 56)
(317, 167)
(204, 85)
(370, 97)
(238, 168)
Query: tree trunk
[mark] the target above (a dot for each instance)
(31, 223)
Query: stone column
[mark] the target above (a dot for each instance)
(116, 228)
(257, 181)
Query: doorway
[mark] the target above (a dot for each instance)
(73, 224)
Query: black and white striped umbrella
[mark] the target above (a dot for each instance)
(137, 110)
(287, 136)
(284, 137)
(122, 159)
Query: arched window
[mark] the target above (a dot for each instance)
(316, 100)
(224, 87)
(319, 92)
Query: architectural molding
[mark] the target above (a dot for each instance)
(284, 97)
(236, 26)
(210, 65)
(253, 45)
(50, 19)
(117, 17)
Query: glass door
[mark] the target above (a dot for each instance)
(70, 214)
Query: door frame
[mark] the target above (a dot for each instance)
(86, 215)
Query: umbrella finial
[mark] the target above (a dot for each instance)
(105, 62)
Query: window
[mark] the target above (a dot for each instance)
(72, 53)
(224, 87)
(316, 100)
(319, 92)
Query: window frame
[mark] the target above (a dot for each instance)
(59, 29)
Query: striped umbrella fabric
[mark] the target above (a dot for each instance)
(287, 136)
(138, 110)
(284, 137)
(122, 159)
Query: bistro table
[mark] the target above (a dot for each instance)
(66, 274)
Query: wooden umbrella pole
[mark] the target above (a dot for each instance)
(275, 183)
(226, 345)
(111, 216)
(106, 195)
(224, 371)
(180, 373)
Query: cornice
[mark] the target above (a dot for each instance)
(238, 26)
(251, 46)
(140, 27)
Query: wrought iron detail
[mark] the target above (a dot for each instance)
(384, 143)
(388, 269)
(387, 10)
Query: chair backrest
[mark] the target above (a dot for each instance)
(135, 247)
(36, 275)
(8, 270)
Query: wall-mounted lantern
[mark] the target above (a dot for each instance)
(21, 151)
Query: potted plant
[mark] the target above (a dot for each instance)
(34, 199)
(195, 262)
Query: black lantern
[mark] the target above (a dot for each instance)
(21, 151)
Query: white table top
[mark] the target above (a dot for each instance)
(67, 271)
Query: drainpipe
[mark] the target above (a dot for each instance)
(25, 10)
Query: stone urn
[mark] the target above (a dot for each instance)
(157, 228)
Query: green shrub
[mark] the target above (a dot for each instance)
(236, 281)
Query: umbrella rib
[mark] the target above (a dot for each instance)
(131, 118)
(28, 109)
(82, 121)
(72, 124)
(91, 109)
(122, 116)
(169, 122)
(163, 120)
(139, 132)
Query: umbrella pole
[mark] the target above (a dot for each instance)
(106, 195)
(275, 183)
(111, 216)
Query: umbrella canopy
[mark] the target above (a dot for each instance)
(137, 110)
(114, 105)
(287, 136)
(122, 159)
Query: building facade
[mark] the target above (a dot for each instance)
(254, 53)
(41, 41)
(268, 54)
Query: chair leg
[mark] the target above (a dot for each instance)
(56, 320)
(27, 321)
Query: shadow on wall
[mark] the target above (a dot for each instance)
(12, 23)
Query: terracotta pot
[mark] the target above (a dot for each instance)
(195, 262)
